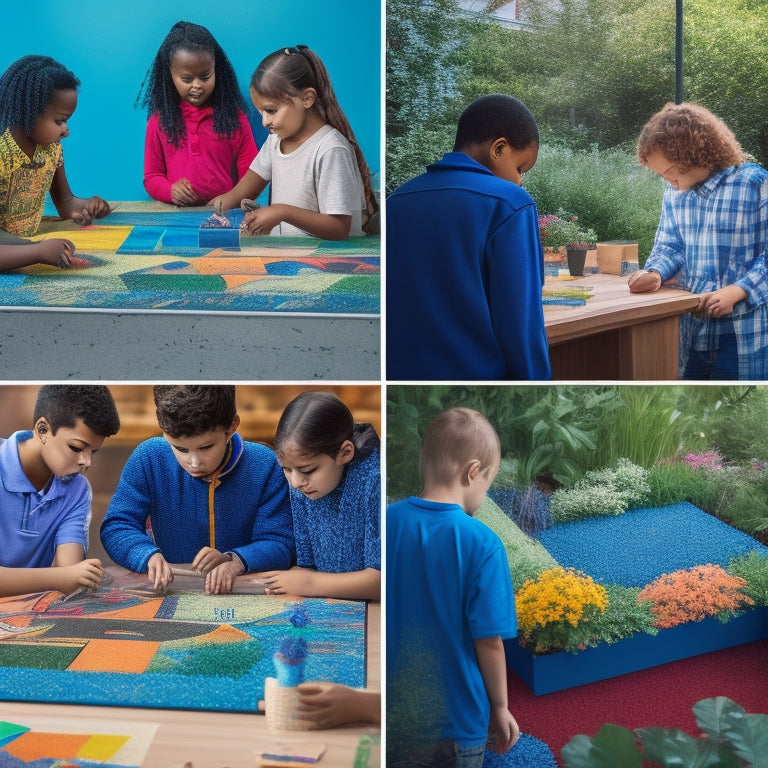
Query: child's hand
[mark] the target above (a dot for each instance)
(262, 221)
(329, 705)
(183, 194)
(159, 572)
(207, 559)
(220, 580)
(297, 581)
(94, 208)
(86, 574)
(720, 302)
(57, 252)
(504, 730)
(644, 281)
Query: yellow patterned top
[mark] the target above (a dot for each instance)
(24, 183)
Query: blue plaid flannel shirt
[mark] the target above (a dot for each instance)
(715, 235)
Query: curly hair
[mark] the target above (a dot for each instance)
(186, 410)
(285, 74)
(62, 404)
(27, 88)
(690, 136)
(159, 95)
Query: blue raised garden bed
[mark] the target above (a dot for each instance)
(558, 671)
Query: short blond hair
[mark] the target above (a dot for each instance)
(453, 439)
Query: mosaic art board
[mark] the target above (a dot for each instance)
(188, 650)
(45, 742)
(138, 258)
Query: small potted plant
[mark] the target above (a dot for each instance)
(562, 232)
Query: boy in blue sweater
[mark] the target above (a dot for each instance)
(449, 604)
(211, 498)
(464, 260)
(45, 500)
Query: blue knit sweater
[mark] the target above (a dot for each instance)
(252, 510)
(339, 533)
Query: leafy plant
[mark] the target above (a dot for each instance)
(555, 611)
(730, 738)
(694, 594)
(527, 557)
(609, 491)
(527, 508)
(624, 615)
(562, 229)
(753, 568)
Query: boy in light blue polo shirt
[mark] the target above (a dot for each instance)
(45, 500)
(449, 604)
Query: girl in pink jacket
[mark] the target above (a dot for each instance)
(199, 141)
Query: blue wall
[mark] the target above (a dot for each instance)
(110, 46)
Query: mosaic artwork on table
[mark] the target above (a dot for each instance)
(46, 742)
(187, 650)
(146, 259)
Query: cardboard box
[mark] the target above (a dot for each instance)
(612, 254)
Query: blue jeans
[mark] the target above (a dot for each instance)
(471, 757)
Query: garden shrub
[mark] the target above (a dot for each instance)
(527, 558)
(624, 615)
(694, 594)
(602, 492)
(528, 508)
(753, 568)
(569, 504)
(673, 481)
(556, 611)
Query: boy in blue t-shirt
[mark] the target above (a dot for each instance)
(45, 500)
(449, 604)
(212, 499)
(465, 267)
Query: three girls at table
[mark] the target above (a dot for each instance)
(199, 147)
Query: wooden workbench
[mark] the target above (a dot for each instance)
(216, 739)
(618, 335)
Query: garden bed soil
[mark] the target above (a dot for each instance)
(559, 671)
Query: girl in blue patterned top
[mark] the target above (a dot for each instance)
(332, 466)
(712, 237)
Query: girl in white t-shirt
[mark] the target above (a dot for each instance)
(321, 184)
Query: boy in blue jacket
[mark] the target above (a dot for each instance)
(465, 266)
(211, 498)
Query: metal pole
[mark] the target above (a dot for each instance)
(678, 51)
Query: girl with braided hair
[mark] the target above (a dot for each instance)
(198, 141)
(320, 182)
(37, 98)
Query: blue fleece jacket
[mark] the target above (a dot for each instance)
(464, 277)
(252, 510)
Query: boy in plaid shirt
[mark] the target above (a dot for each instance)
(712, 238)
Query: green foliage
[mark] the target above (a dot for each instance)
(624, 616)
(739, 431)
(730, 738)
(527, 557)
(545, 432)
(609, 190)
(610, 491)
(753, 568)
(674, 481)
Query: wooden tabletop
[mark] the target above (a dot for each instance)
(219, 739)
(610, 306)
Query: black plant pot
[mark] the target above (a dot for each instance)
(576, 259)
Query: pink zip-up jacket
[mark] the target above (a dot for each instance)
(213, 163)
